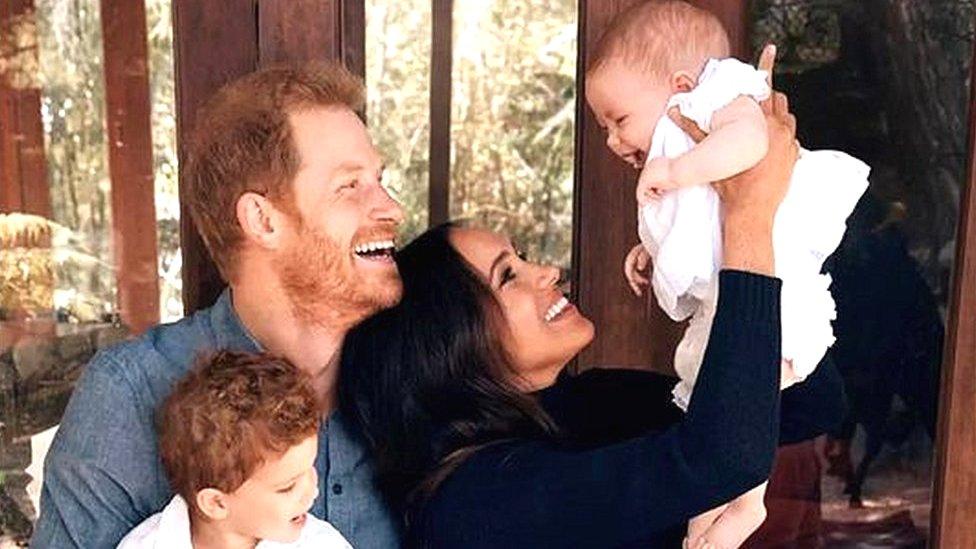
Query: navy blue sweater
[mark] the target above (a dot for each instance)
(640, 491)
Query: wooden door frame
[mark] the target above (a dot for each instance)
(954, 498)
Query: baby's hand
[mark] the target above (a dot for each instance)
(654, 178)
(635, 269)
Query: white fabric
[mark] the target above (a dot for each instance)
(170, 529)
(682, 232)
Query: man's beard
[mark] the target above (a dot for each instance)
(320, 281)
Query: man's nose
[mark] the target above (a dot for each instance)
(385, 208)
(613, 142)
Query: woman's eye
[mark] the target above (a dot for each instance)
(507, 276)
(350, 185)
(286, 489)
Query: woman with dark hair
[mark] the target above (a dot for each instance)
(482, 440)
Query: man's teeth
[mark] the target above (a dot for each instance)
(379, 245)
(556, 308)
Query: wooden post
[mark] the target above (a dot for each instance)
(442, 51)
(23, 166)
(215, 43)
(632, 332)
(954, 506)
(131, 161)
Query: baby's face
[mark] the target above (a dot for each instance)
(627, 103)
(273, 502)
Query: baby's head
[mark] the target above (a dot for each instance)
(238, 438)
(648, 53)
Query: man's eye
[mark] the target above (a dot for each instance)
(350, 185)
(620, 120)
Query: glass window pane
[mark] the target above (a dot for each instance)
(58, 285)
(398, 100)
(888, 83)
(57, 282)
(163, 98)
(513, 116)
(72, 81)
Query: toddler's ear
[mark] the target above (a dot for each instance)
(682, 81)
(212, 503)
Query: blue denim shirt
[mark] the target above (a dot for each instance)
(103, 475)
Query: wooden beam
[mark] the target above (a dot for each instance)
(631, 332)
(283, 30)
(734, 15)
(954, 505)
(23, 179)
(216, 42)
(442, 51)
(11, 198)
(130, 157)
(353, 42)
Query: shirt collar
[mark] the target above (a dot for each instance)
(229, 332)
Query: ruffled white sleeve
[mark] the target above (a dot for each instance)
(721, 82)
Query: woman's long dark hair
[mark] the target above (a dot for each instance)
(424, 381)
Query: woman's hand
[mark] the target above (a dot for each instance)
(750, 199)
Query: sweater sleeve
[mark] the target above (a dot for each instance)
(537, 494)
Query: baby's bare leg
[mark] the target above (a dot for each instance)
(700, 524)
(744, 515)
(787, 377)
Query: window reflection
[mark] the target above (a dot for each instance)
(888, 83)
(398, 101)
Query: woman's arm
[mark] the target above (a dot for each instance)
(536, 494)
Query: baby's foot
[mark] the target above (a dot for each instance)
(700, 524)
(734, 527)
(702, 543)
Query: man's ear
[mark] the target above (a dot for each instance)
(261, 221)
(682, 81)
(213, 504)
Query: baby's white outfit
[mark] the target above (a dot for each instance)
(682, 232)
(170, 529)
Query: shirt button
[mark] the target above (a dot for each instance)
(337, 489)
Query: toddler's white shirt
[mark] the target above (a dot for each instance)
(170, 529)
(682, 231)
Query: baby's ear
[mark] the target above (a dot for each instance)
(213, 504)
(682, 81)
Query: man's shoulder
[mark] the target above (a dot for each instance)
(156, 355)
(121, 388)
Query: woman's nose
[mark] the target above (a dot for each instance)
(549, 276)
